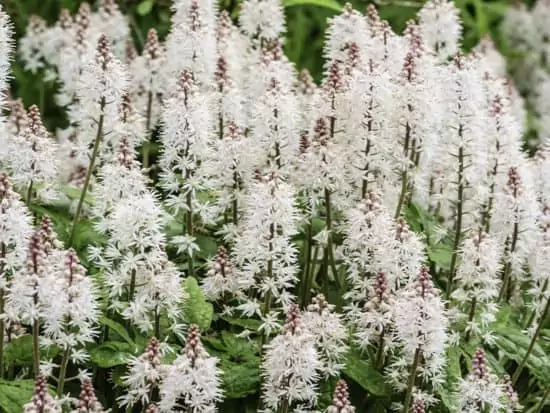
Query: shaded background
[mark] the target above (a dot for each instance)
(306, 24)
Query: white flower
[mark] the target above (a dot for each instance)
(5, 48)
(192, 381)
(421, 324)
(145, 374)
(330, 335)
(481, 389)
(290, 365)
(263, 18)
(440, 27)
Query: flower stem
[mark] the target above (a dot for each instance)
(35, 348)
(534, 312)
(63, 372)
(380, 351)
(508, 267)
(29, 194)
(2, 324)
(2, 331)
(412, 378)
(458, 224)
(309, 247)
(532, 343)
(471, 315)
(328, 257)
(147, 143)
(189, 230)
(543, 401)
(89, 172)
(404, 173)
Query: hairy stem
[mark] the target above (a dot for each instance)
(532, 343)
(29, 194)
(2, 324)
(534, 313)
(189, 228)
(89, 172)
(412, 379)
(35, 348)
(471, 316)
(2, 331)
(503, 294)
(380, 351)
(458, 224)
(309, 248)
(542, 403)
(147, 143)
(63, 371)
(328, 249)
(404, 173)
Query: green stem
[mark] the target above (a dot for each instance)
(157, 323)
(2, 324)
(147, 144)
(412, 379)
(365, 182)
(405, 173)
(380, 351)
(2, 331)
(328, 248)
(404, 180)
(309, 247)
(546, 395)
(267, 298)
(534, 313)
(189, 229)
(132, 286)
(284, 406)
(35, 348)
(29, 194)
(532, 343)
(63, 372)
(311, 275)
(471, 317)
(458, 224)
(89, 172)
(508, 267)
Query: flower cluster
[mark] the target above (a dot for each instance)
(381, 221)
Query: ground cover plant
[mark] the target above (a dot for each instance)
(201, 225)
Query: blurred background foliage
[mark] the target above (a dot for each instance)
(306, 24)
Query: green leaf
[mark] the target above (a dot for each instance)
(145, 7)
(240, 365)
(365, 375)
(207, 246)
(514, 344)
(441, 255)
(197, 310)
(19, 351)
(453, 375)
(112, 353)
(481, 17)
(328, 4)
(239, 348)
(240, 380)
(248, 323)
(118, 328)
(74, 194)
(14, 394)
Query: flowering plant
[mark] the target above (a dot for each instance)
(214, 231)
